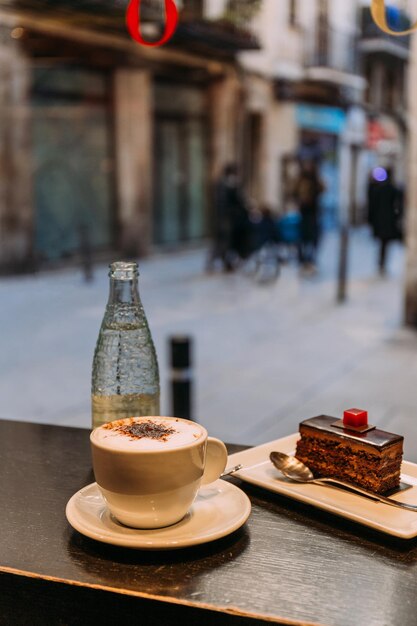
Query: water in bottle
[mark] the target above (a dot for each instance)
(125, 379)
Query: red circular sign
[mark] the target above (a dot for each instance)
(133, 22)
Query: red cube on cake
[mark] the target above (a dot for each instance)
(355, 418)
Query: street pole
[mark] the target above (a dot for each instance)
(348, 217)
(343, 264)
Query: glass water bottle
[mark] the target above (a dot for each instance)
(125, 380)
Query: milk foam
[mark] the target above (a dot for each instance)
(184, 434)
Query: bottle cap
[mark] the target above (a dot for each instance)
(124, 270)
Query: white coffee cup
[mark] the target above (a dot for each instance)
(151, 481)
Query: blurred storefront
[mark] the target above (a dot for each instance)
(320, 130)
(73, 160)
(181, 189)
(337, 80)
(385, 65)
(110, 147)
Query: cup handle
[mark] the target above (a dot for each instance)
(216, 460)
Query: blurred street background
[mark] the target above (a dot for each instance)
(256, 375)
(296, 116)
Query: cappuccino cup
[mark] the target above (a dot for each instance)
(149, 469)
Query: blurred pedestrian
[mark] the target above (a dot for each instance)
(264, 228)
(385, 210)
(308, 190)
(231, 222)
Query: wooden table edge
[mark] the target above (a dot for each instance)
(233, 611)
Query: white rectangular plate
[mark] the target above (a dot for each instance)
(258, 470)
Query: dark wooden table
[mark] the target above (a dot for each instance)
(290, 564)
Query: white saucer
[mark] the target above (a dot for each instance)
(218, 510)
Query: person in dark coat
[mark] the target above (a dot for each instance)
(231, 222)
(385, 209)
(309, 188)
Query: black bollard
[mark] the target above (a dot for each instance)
(181, 378)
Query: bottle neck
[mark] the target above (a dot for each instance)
(124, 291)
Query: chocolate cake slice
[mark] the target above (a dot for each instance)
(362, 455)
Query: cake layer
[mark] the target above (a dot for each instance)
(371, 460)
(377, 474)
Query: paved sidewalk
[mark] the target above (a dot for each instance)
(266, 356)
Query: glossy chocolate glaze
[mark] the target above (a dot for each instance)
(376, 438)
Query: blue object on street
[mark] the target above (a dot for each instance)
(289, 228)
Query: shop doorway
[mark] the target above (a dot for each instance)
(180, 170)
(252, 156)
(322, 148)
(73, 162)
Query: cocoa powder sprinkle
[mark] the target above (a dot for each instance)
(149, 430)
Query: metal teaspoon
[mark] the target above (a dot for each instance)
(295, 470)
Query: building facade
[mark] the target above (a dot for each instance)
(327, 84)
(111, 147)
(108, 146)
(411, 269)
